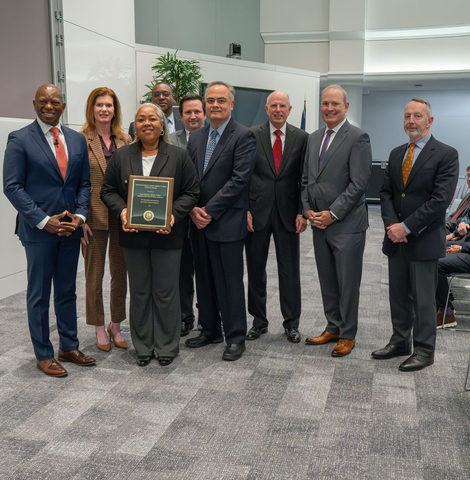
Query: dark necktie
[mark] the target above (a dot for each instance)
(324, 147)
(277, 150)
(60, 154)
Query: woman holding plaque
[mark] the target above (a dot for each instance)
(104, 134)
(152, 257)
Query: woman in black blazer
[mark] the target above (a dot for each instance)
(152, 258)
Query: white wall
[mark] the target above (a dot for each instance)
(99, 51)
(299, 84)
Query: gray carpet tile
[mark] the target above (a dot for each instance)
(283, 411)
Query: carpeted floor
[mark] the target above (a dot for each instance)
(283, 411)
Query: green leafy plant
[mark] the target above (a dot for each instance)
(183, 76)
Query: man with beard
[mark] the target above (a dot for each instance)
(419, 183)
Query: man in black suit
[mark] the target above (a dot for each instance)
(275, 208)
(419, 183)
(337, 168)
(224, 153)
(193, 115)
(162, 95)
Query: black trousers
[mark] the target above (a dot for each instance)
(288, 269)
(219, 287)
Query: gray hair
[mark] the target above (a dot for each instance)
(424, 102)
(226, 85)
(340, 88)
(165, 137)
(278, 91)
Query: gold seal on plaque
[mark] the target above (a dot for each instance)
(148, 215)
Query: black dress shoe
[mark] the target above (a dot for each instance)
(416, 362)
(293, 334)
(255, 332)
(390, 351)
(143, 361)
(186, 328)
(233, 352)
(202, 341)
(164, 361)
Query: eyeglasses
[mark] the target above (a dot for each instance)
(165, 94)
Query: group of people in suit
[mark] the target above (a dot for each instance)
(234, 188)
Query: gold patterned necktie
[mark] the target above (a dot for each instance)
(408, 163)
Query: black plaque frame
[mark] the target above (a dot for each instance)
(149, 203)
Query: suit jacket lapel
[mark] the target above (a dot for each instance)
(397, 167)
(265, 137)
(289, 143)
(95, 146)
(160, 160)
(424, 156)
(136, 159)
(219, 148)
(40, 139)
(337, 141)
(318, 136)
(201, 151)
(183, 139)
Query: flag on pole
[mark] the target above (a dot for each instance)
(304, 116)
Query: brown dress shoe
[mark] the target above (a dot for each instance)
(449, 321)
(51, 367)
(325, 337)
(343, 347)
(77, 357)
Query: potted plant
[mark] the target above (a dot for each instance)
(182, 75)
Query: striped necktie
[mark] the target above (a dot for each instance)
(210, 148)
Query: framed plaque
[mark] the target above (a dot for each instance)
(149, 203)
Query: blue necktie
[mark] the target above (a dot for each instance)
(210, 148)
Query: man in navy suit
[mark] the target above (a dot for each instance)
(275, 209)
(419, 183)
(47, 179)
(224, 153)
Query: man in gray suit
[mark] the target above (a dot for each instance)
(337, 168)
(193, 115)
(418, 186)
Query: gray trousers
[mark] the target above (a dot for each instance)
(155, 312)
(412, 291)
(339, 265)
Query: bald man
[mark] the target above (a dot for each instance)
(46, 177)
(275, 210)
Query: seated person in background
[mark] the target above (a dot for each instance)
(458, 215)
(460, 231)
(457, 260)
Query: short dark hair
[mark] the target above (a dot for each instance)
(192, 96)
(163, 83)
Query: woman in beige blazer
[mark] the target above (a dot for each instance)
(104, 134)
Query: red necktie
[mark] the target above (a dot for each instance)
(460, 210)
(60, 152)
(277, 150)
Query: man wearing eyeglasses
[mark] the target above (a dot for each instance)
(162, 95)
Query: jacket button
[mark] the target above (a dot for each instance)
(399, 214)
(402, 194)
